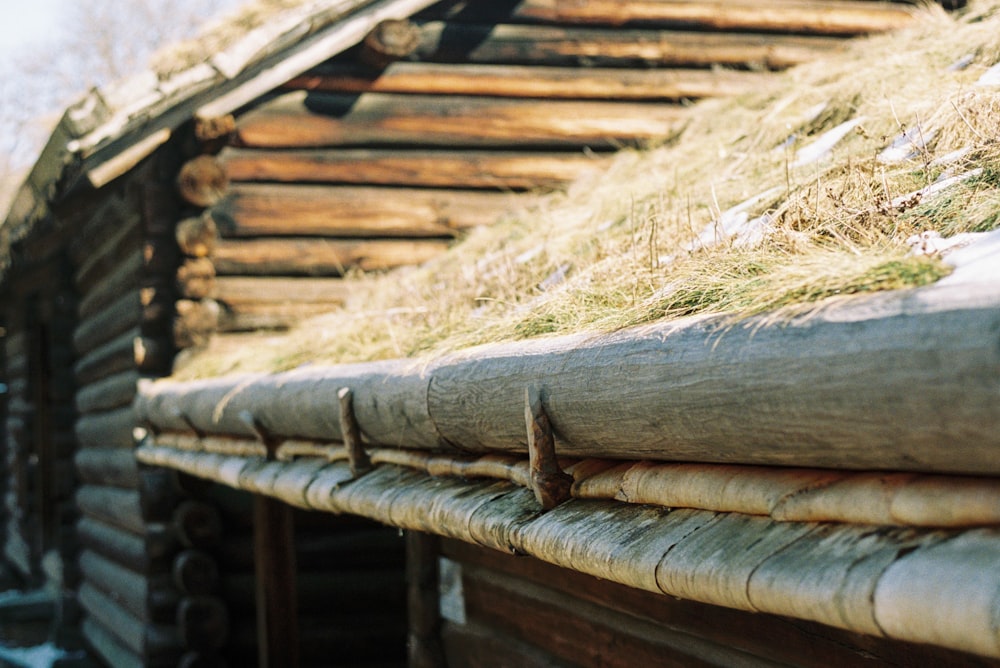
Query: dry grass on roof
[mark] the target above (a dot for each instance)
(618, 248)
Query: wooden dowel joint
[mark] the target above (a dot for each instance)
(550, 483)
(359, 460)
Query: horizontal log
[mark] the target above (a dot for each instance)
(891, 377)
(149, 599)
(198, 525)
(388, 42)
(202, 181)
(195, 572)
(574, 83)
(254, 317)
(110, 505)
(114, 319)
(591, 47)
(108, 393)
(196, 278)
(107, 359)
(109, 429)
(819, 17)
(195, 322)
(108, 647)
(354, 211)
(148, 553)
(320, 257)
(159, 494)
(146, 640)
(106, 260)
(203, 622)
(114, 467)
(378, 119)
(196, 236)
(114, 214)
(124, 276)
(489, 170)
(239, 291)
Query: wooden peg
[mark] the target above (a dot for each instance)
(550, 483)
(183, 417)
(357, 457)
(270, 441)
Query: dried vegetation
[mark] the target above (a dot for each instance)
(734, 215)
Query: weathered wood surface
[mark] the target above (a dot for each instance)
(577, 83)
(113, 357)
(203, 622)
(124, 276)
(143, 639)
(805, 570)
(102, 263)
(148, 553)
(115, 467)
(110, 505)
(117, 317)
(194, 322)
(784, 640)
(111, 649)
(108, 393)
(318, 256)
(422, 600)
(109, 429)
(202, 181)
(196, 236)
(195, 572)
(274, 569)
(196, 278)
(328, 119)
(493, 170)
(388, 42)
(821, 17)
(353, 211)
(589, 47)
(236, 291)
(149, 599)
(892, 378)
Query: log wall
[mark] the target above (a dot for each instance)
(380, 156)
(499, 609)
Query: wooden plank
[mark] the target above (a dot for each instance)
(354, 211)
(560, 46)
(820, 17)
(299, 120)
(524, 81)
(489, 170)
(422, 604)
(274, 568)
(320, 257)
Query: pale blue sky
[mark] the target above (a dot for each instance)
(27, 22)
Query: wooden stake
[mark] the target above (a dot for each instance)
(358, 458)
(274, 565)
(549, 483)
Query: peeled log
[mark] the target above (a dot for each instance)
(202, 181)
(575, 83)
(389, 41)
(196, 278)
(588, 47)
(819, 17)
(890, 378)
(492, 170)
(203, 622)
(196, 236)
(327, 119)
(195, 322)
(295, 210)
(319, 257)
(242, 291)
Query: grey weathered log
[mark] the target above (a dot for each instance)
(146, 640)
(146, 553)
(875, 382)
(113, 357)
(108, 647)
(109, 429)
(149, 598)
(108, 393)
(115, 467)
(111, 505)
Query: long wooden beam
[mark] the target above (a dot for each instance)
(595, 47)
(493, 170)
(311, 120)
(820, 17)
(901, 381)
(319, 257)
(526, 81)
(353, 211)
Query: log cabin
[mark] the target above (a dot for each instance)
(364, 515)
